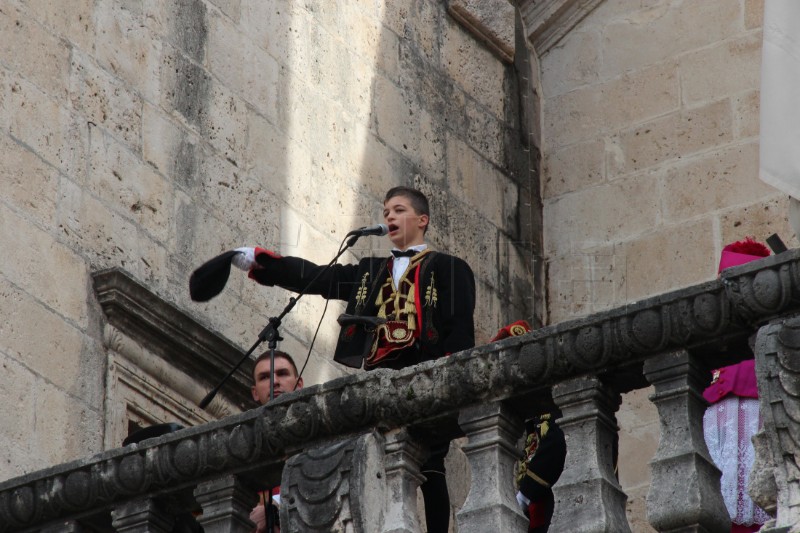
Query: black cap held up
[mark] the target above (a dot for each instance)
(210, 278)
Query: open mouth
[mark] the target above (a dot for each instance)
(393, 228)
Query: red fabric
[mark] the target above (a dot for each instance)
(741, 252)
(511, 330)
(738, 379)
(261, 251)
(537, 512)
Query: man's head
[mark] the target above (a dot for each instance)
(285, 376)
(406, 212)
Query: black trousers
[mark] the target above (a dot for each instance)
(435, 493)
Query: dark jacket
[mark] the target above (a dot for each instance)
(445, 303)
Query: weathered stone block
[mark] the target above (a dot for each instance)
(48, 129)
(753, 14)
(55, 356)
(185, 87)
(486, 133)
(29, 184)
(675, 136)
(584, 113)
(247, 70)
(105, 101)
(476, 182)
(109, 238)
(580, 49)
(41, 261)
(714, 180)
(647, 36)
(473, 68)
(131, 186)
(231, 8)
(759, 220)
(582, 282)
(728, 68)
(128, 48)
(653, 259)
(573, 168)
(64, 428)
(76, 26)
(33, 51)
(17, 413)
(396, 116)
(175, 152)
(577, 227)
(746, 121)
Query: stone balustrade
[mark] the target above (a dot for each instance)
(350, 450)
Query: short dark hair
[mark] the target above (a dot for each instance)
(417, 199)
(278, 355)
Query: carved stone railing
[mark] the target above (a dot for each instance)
(352, 447)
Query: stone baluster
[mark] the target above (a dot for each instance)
(685, 492)
(226, 503)
(491, 450)
(141, 516)
(588, 496)
(402, 460)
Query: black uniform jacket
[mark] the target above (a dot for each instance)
(447, 323)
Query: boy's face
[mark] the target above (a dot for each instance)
(406, 226)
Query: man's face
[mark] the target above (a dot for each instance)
(285, 379)
(406, 226)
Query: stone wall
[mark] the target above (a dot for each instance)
(152, 135)
(650, 146)
(650, 166)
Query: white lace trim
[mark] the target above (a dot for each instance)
(728, 426)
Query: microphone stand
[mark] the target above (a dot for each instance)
(270, 331)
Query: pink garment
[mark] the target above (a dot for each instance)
(738, 379)
(728, 426)
(730, 259)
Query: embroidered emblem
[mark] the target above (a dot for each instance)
(518, 330)
(361, 294)
(399, 333)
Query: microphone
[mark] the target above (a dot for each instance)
(377, 229)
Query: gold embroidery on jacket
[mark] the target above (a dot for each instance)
(431, 294)
(397, 304)
(361, 294)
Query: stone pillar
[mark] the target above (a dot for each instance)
(685, 492)
(492, 453)
(226, 505)
(588, 496)
(141, 516)
(777, 486)
(402, 460)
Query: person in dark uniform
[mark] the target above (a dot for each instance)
(424, 299)
(539, 469)
(285, 379)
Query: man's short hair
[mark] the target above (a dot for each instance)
(417, 199)
(278, 355)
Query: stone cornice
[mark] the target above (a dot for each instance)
(737, 302)
(490, 21)
(172, 334)
(548, 21)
